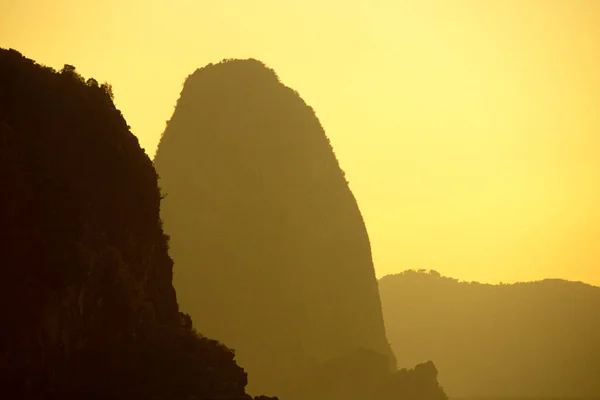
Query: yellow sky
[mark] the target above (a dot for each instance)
(469, 130)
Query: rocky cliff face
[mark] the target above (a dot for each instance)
(86, 295)
(272, 255)
(523, 340)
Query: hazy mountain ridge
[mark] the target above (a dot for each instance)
(88, 306)
(535, 339)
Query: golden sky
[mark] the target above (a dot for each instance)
(469, 130)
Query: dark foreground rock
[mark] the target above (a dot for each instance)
(86, 296)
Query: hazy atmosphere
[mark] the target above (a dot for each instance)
(279, 200)
(468, 130)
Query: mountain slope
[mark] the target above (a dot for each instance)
(536, 339)
(272, 255)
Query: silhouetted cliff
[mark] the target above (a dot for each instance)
(537, 339)
(272, 255)
(86, 297)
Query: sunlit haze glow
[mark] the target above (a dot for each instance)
(469, 130)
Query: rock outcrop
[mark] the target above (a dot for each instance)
(523, 340)
(364, 375)
(86, 296)
(272, 255)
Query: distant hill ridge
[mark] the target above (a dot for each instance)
(534, 339)
(436, 274)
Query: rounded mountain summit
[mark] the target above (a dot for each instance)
(271, 253)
